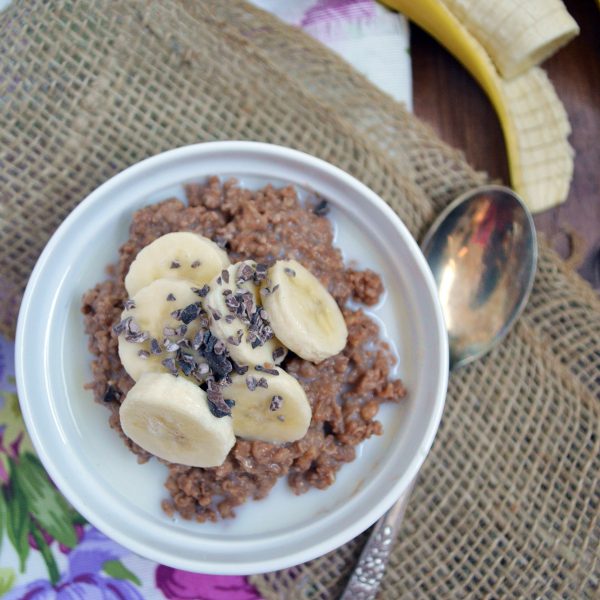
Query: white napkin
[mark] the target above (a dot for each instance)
(373, 39)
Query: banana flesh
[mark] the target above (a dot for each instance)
(534, 122)
(516, 35)
(270, 405)
(150, 311)
(178, 255)
(169, 417)
(231, 304)
(302, 313)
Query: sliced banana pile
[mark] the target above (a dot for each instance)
(201, 338)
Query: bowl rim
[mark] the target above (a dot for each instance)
(69, 489)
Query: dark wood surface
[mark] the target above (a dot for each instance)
(448, 98)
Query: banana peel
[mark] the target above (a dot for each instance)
(533, 120)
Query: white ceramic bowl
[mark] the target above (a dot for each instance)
(102, 479)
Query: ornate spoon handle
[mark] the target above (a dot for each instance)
(368, 573)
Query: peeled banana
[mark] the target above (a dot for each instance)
(149, 313)
(517, 35)
(270, 405)
(170, 418)
(302, 313)
(231, 304)
(534, 122)
(178, 255)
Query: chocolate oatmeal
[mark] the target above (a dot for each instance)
(344, 391)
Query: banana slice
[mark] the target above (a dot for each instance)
(150, 311)
(302, 313)
(170, 418)
(233, 305)
(179, 255)
(270, 406)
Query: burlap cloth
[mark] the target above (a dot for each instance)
(507, 504)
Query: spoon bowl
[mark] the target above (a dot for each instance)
(482, 251)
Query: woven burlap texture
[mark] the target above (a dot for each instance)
(507, 504)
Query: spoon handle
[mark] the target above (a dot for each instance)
(370, 568)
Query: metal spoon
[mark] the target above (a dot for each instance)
(482, 251)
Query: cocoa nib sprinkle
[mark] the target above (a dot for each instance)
(189, 313)
(219, 364)
(225, 275)
(244, 273)
(219, 347)
(251, 383)
(168, 331)
(196, 264)
(262, 369)
(261, 272)
(229, 318)
(259, 331)
(266, 291)
(185, 362)
(111, 394)
(216, 314)
(262, 382)
(217, 404)
(278, 353)
(143, 354)
(171, 346)
(289, 272)
(197, 341)
(276, 403)
(171, 298)
(237, 340)
(129, 304)
(175, 264)
(121, 326)
(321, 209)
(169, 364)
(203, 291)
(239, 369)
(155, 346)
(132, 331)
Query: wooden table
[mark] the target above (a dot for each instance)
(448, 98)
